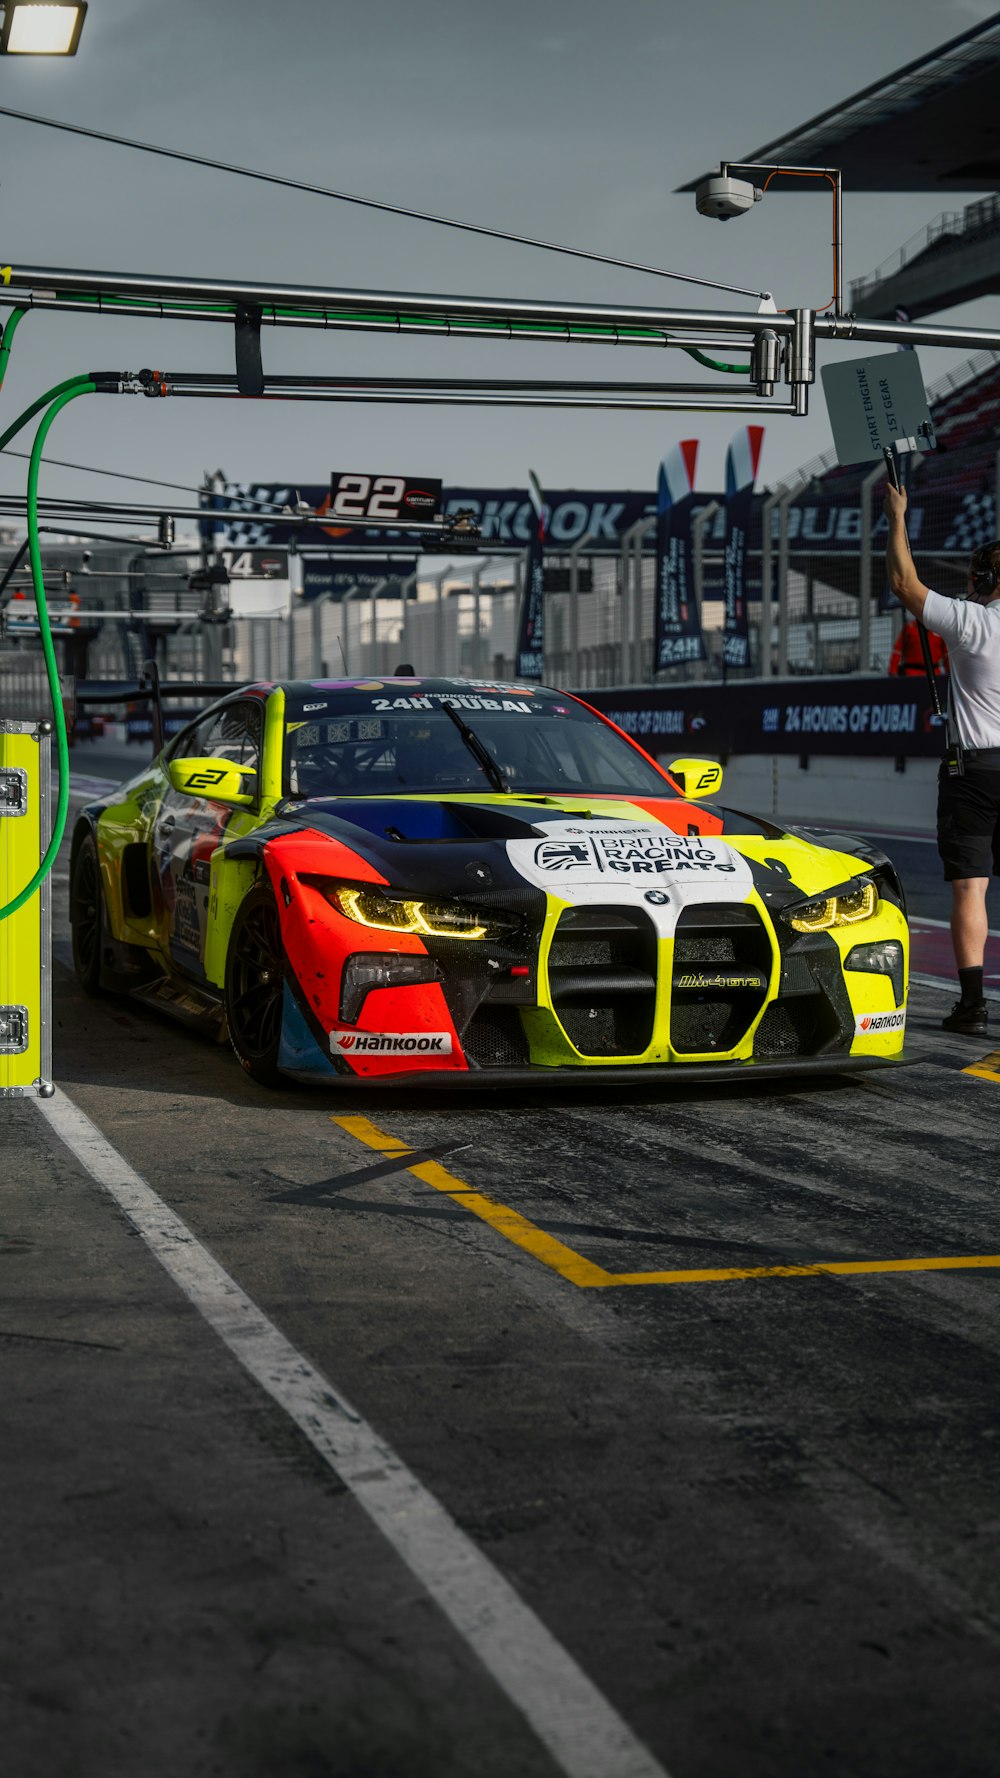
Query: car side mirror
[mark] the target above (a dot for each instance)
(696, 778)
(221, 780)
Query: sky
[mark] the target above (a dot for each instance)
(571, 120)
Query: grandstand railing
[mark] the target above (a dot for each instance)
(947, 232)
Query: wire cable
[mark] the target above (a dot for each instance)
(36, 407)
(119, 474)
(815, 173)
(7, 333)
(69, 392)
(344, 197)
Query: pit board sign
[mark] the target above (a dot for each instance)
(876, 402)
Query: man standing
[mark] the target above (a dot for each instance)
(968, 830)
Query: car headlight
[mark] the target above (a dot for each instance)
(845, 907)
(435, 919)
(882, 958)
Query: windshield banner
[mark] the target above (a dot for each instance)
(531, 634)
(677, 635)
(742, 459)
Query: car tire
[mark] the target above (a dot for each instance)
(255, 984)
(87, 914)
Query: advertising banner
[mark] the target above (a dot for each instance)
(677, 621)
(742, 459)
(333, 576)
(845, 716)
(955, 516)
(531, 632)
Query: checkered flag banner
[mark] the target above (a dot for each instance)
(235, 505)
(974, 524)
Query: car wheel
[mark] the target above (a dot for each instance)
(87, 916)
(255, 985)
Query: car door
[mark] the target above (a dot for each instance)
(189, 828)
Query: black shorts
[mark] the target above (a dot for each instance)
(968, 822)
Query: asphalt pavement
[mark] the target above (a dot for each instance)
(399, 1436)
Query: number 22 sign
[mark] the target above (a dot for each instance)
(359, 498)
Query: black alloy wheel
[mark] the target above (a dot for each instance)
(87, 917)
(255, 985)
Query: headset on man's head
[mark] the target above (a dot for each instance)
(984, 571)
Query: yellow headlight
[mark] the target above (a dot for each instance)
(433, 919)
(836, 910)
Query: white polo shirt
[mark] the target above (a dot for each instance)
(972, 633)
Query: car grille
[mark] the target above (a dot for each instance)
(722, 966)
(602, 979)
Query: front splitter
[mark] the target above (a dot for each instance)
(676, 1074)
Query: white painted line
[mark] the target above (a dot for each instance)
(944, 925)
(940, 981)
(583, 1733)
(81, 785)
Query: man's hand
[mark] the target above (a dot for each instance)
(894, 503)
(903, 579)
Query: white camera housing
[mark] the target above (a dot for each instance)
(724, 197)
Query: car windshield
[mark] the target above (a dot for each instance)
(541, 746)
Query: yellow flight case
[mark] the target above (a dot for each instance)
(25, 936)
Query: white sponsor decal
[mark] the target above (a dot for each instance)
(462, 701)
(872, 1024)
(634, 855)
(588, 854)
(609, 861)
(390, 1043)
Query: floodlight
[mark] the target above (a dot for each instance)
(32, 29)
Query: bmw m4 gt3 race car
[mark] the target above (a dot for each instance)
(452, 881)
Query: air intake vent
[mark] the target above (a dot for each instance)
(722, 966)
(602, 979)
(494, 1038)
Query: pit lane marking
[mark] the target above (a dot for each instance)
(514, 1227)
(581, 1730)
(987, 1068)
(587, 1276)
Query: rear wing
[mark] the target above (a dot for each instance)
(148, 688)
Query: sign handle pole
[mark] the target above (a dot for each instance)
(892, 469)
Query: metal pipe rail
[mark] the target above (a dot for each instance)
(439, 327)
(27, 285)
(14, 505)
(625, 324)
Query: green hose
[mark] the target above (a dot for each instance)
(713, 364)
(7, 333)
(69, 392)
(82, 384)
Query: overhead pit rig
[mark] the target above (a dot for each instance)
(772, 374)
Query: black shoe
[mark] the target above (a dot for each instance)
(970, 1020)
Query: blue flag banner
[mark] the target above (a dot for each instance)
(677, 620)
(742, 459)
(531, 630)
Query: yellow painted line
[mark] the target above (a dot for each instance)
(840, 1268)
(552, 1253)
(582, 1272)
(987, 1068)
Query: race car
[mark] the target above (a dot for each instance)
(466, 882)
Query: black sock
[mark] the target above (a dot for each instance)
(971, 981)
